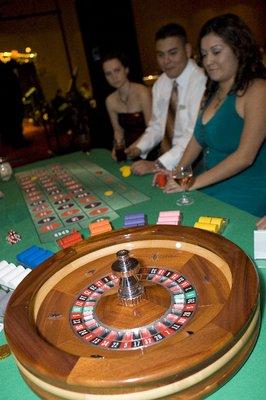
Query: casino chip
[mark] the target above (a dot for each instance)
(13, 237)
(108, 193)
(125, 171)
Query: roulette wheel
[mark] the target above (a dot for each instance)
(154, 312)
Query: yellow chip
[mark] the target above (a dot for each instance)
(218, 221)
(207, 227)
(108, 193)
(205, 220)
(125, 171)
(125, 174)
(124, 168)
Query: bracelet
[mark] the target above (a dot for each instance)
(158, 165)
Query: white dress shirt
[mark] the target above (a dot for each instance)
(191, 86)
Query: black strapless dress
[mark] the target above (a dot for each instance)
(133, 125)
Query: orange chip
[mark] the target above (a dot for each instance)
(100, 226)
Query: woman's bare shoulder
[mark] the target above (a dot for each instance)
(111, 99)
(140, 88)
(257, 87)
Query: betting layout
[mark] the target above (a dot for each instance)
(87, 325)
(68, 196)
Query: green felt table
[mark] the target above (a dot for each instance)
(249, 382)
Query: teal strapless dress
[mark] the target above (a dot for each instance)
(220, 137)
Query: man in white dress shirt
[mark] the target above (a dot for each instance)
(173, 56)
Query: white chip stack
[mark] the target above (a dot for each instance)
(10, 275)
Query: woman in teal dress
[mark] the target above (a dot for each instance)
(231, 126)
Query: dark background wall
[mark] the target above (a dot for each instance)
(149, 15)
(71, 33)
(105, 27)
(128, 23)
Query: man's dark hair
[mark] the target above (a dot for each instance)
(171, 30)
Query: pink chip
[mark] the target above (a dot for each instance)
(169, 214)
(167, 222)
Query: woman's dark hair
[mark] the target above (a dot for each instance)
(116, 55)
(238, 36)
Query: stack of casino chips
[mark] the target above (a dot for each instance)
(13, 237)
(33, 256)
(212, 224)
(100, 226)
(169, 218)
(70, 240)
(133, 220)
(11, 275)
(160, 180)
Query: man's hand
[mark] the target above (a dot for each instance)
(143, 167)
(132, 152)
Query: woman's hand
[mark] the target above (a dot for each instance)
(143, 167)
(172, 186)
(113, 154)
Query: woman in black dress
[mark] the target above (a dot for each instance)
(129, 106)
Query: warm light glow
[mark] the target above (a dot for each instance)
(6, 56)
(150, 77)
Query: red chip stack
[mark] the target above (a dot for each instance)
(70, 240)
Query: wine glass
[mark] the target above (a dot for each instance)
(5, 169)
(120, 151)
(182, 174)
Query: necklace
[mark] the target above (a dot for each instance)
(219, 98)
(124, 99)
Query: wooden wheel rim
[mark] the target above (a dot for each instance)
(57, 377)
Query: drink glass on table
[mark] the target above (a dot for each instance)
(5, 169)
(120, 151)
(182, 174)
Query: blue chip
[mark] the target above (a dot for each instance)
(128, 217)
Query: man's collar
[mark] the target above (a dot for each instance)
(183, 78)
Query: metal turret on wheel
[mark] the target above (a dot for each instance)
(126, 268)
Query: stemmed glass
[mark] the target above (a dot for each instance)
(182, 174)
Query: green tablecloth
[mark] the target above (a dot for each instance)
(249, 382)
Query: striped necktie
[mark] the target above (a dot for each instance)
(166, 143)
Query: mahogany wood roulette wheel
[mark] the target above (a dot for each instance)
(191, 330)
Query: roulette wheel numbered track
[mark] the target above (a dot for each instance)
(189, 363)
